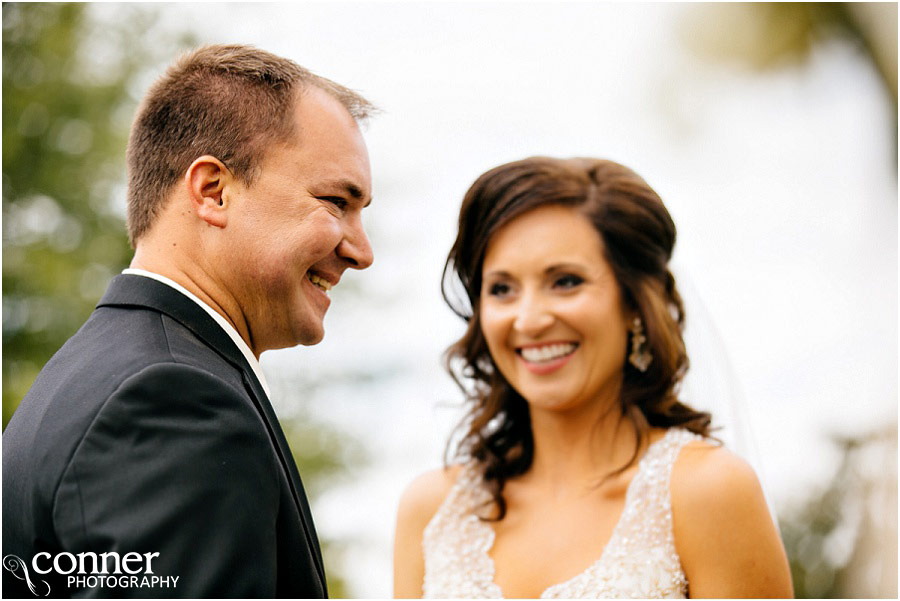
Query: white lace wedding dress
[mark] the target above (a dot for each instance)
(639, 561)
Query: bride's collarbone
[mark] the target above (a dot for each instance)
(593, 493)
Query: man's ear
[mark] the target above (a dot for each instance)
(207, 180)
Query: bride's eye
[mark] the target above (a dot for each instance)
(568, 281)
(498, 289)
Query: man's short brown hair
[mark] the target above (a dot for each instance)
(228, 101)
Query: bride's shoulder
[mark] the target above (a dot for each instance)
(724, 533)
(418, 504)
(705, 470)
(718, 509)
(424, 495)
(707, 477)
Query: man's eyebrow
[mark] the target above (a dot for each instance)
(352, 189)
(346, 185)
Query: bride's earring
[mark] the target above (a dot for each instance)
(640, 357)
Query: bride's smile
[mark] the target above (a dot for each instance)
(551, 310)
(544, 358)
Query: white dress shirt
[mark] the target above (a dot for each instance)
(229, 329)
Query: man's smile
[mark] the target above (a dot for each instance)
(321, 282)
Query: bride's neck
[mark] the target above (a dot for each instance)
(575, 450)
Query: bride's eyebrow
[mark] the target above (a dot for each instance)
(564, 267)
(556, 267)
(495, 273)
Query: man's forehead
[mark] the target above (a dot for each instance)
(328, 148)
(314, 105)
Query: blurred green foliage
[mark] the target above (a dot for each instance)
(841, 540)
(324, 458)
(808, 531)
(771, 35)
(821, 536)
(66, 110)
(73, 74)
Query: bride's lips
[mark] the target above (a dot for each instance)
(544, 358)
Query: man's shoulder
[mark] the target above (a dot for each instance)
(114, 347)
(116, 343)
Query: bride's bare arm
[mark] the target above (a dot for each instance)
(728, 544)
(418, 505)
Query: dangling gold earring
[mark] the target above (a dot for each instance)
(640, 357)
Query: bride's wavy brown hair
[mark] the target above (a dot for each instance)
(638, 236)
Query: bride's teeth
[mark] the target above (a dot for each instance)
(547, 353)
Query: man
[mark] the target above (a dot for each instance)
(147, 447)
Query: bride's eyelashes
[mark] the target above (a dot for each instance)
(499, 289)
(568, 281)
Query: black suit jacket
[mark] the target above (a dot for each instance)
(148, 432)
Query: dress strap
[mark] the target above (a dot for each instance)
(456, 542)
(648, 495)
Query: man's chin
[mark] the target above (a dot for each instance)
(310, 334)
(297, 337)
(313, 341)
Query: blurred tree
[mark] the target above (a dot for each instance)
(822, 536)
(324, 458)
(826, 521)
(871, 570)
(72, 77)
(839, 540)
(768, 35)
(66, 112)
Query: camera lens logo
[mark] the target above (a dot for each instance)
(19, 569)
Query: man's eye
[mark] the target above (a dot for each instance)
(335, 200)
(568, 281)
(498, 289)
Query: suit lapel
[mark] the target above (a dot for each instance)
(144, 292)
(290, 467)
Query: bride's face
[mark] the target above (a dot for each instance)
(551, 310)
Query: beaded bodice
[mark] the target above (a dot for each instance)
(639, 561)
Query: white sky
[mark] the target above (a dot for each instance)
(782, 186)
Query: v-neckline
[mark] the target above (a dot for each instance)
(629, 494)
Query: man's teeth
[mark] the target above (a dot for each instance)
(320, 282)
(539, 354)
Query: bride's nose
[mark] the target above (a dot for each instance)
(533, 316)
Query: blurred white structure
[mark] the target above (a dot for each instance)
(872, 569)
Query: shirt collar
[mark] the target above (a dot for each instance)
(223, 323)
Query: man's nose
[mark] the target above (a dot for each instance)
(355, 248)
(532, 315)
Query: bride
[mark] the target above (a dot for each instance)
(580, 473)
